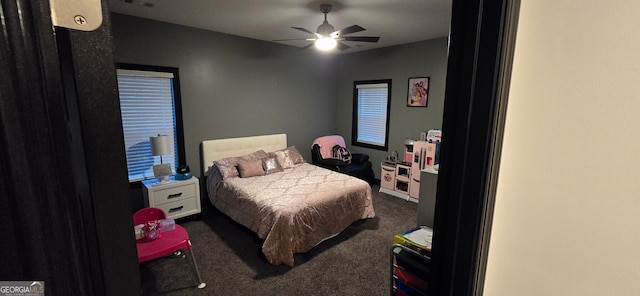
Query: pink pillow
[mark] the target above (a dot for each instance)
(289, 154)
(228, 166)
(250, 168)
(295, 155)
(284, 159)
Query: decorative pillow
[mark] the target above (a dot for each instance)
(295, 155)
(283, 158)
(260, 154)
(271, 165)
(250, 168)
(227, 167)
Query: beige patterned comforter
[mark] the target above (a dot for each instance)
(293, 210)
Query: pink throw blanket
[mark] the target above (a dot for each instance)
(326, 144)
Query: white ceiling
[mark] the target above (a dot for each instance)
(394, 21)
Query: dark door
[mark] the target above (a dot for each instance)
(481, 45)
(65, 217)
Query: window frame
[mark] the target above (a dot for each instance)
(354, 123)
(177, 103)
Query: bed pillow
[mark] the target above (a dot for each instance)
(283, 158)
(295, 155)
(260, 154)
(271, 165)
(250, 168)
(227, 167)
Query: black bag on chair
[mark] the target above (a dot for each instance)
(339, 158)
(342, 153)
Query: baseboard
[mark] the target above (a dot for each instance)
(398, 194)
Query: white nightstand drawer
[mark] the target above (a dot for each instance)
(172, 194)
(180, 208)
(176, 198)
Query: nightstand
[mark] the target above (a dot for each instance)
(177, 198)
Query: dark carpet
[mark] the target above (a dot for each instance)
(229, 257)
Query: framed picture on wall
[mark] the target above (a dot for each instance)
(418, 92)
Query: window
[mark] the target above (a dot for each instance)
(150, 105)
(371, 113)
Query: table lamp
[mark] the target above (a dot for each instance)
(160, 145)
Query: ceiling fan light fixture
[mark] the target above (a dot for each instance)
(325, 29)
(326, 37)
(326, 43)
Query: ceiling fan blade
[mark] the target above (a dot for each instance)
(296, 39)
(361, 39)
(304, 30)
(342, 46)
(348, 30)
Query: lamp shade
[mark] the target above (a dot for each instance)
(160, 145)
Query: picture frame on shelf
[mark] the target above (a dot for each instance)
(418, 92)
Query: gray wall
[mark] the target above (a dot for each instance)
(425, 58)
(233, 86)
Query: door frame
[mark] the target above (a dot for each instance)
(480, 56)
(481, 46)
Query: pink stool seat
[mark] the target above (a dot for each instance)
(169, 242)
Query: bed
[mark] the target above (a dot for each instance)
(293, 208)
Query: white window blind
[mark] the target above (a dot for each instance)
(372, 113)
(148, 109)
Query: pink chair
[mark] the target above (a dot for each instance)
(169, 243)
(322, 155)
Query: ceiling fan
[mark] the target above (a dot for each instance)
(326, 37)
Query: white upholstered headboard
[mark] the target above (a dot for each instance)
(221, 148)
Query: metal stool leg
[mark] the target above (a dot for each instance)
(201, 284)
